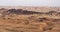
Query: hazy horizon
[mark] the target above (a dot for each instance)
(30, 3)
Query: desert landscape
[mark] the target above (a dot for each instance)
(29, 19)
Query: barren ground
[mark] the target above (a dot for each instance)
(29, 23)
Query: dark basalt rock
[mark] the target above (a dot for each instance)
(21, 11)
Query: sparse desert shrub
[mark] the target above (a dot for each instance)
(56, 20)
(51, 12)
(47, 28)
(42, 19)
(8, 18)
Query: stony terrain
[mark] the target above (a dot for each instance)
(19, 20)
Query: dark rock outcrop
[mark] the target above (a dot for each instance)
(21, 11)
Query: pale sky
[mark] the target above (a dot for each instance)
(30, 3)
